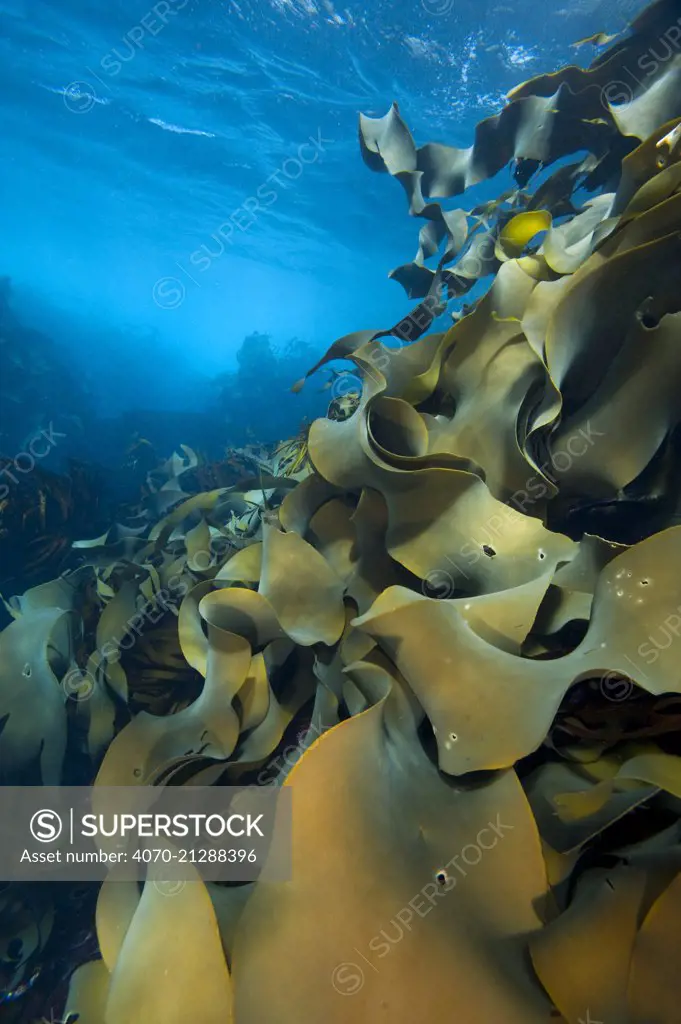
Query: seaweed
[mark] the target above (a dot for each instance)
(439, 590)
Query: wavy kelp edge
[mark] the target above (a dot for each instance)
(464, 613)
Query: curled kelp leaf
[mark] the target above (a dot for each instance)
(88, 993)
(407, 329)
(302, 588)
(378, 763)
(598, 39)
(245, 566)
(430, 639)
(116, 905)
(519, 231)
(598, 109)
(635, 611)
(553, 786)
(643, 163)
(568, 245)
(239, 622)
(31, 698)
(171, 938)
(583, 957)
(649, 766)
(655, 962)
(489, 370)
(659, 103)
(570, 596)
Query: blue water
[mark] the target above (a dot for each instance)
(132, 135)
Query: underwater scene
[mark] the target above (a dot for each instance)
(340, 512)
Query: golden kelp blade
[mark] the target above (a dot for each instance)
(447, 617)
(598, 39)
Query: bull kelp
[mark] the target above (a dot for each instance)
(445, 616)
